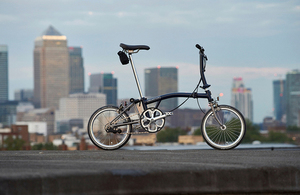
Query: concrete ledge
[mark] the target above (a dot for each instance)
(284, 180)
(119, 177)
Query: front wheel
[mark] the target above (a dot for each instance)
(229, 134)
(109, 138)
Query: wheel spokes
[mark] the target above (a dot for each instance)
(227, 135)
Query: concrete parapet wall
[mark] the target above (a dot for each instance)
(150, 172)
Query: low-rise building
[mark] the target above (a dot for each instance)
(46, 115)
(79, 106)
(190, 139)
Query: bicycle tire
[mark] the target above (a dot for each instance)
(108, 140)
(230, 135)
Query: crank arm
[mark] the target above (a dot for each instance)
(162, 116)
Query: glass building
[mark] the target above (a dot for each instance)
(51, 69)
(76, 70)
(105, 83)
(3, 73)
(162, 80)
(293, 98)
(279, 99)
(8, 112)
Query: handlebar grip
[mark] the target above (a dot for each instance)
(200, 48)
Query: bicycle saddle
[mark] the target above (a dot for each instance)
(134, 47)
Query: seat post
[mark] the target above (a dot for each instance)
(135, 76)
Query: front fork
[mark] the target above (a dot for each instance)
(214, 107)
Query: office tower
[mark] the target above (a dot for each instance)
(241, 98)
(162, 80)
(24, 95)
(107, 84)
(279, 99)
(76, 70)
(293, 98)
(3, 73)
(51, 69)
(96, 81)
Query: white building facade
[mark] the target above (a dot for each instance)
(241, 98)
(35, 127)
(79, 106)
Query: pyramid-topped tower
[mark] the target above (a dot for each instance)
(51, 31)
(51, 68)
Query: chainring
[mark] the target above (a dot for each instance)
(148, 121)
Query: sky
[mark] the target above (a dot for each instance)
(256, 40)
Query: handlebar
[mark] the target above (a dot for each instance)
(202, 66)
(201, 50)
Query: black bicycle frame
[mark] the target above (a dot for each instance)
(160, 98)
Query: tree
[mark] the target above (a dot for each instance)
(197, 132)
(46, 146)
(14, 144)
(37, 147)
(293, 129)
(170, 134)
(278, 137)
(252, 133)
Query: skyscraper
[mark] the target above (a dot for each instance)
(162, 80)
(279, 99)
(241, 98)
(76, 70)
(293, 98)
(3, 73)
(107, 84)
(51, 69)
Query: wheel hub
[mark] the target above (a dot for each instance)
(223, 127)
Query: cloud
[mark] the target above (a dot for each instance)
(247, 72)
(78, 22)
(230, 72)
(4, 18)
(267, 5)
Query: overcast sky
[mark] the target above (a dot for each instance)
(250, 39)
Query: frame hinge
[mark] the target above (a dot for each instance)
(195, 95)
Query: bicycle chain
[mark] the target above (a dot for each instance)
(136, 128)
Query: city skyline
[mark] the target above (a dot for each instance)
(250, 39)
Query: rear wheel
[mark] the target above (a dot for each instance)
(108, 138)
(229, 134)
